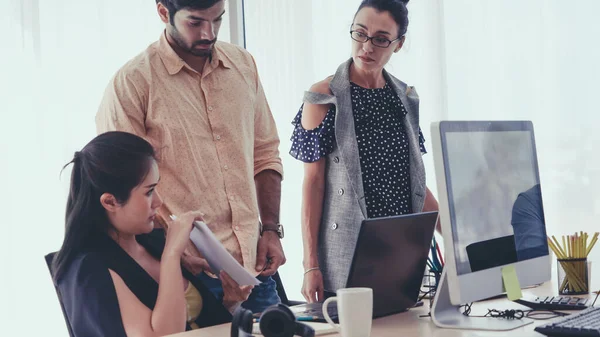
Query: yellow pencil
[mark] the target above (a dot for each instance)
(560, 250)
(592, 245)
(555, 249)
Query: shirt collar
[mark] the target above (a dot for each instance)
(219, 57)
(174, 63)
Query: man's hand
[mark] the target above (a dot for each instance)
(269, 248)
(233, 293)
(195, 264)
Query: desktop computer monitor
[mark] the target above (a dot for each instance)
(491, 207)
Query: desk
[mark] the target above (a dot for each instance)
(410, 324)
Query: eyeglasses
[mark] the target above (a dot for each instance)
(380, 42)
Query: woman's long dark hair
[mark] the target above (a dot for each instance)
(113, 162)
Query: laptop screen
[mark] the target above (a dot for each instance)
(390, 257)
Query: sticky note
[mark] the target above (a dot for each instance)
(511, 283)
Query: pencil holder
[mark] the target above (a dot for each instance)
(573, 276)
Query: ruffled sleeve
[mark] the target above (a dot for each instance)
(311, 145)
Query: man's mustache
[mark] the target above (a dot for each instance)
(204, 42)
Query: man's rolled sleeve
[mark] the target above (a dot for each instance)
(266, 140)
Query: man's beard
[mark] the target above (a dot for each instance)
(191, 49)
(202, 52)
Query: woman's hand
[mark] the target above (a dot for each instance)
(178, 233)
(233, 293)
(312, 286)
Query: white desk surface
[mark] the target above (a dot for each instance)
(410, 324)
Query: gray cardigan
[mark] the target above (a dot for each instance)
(344, 206)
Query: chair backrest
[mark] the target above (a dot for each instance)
(49, 259)
(281, 291)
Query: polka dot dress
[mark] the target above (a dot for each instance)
(382, 144)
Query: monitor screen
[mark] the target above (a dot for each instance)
(494, 195)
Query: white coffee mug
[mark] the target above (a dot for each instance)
(355, 311)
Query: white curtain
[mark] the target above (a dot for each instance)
(535, 60)
(468, 60)
(56, 58)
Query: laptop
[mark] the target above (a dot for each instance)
(390, 258)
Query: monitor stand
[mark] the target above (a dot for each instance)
(447, 315)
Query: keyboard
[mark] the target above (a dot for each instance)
(582, 323)
(554, 303)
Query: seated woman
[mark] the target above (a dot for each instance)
(117, 275)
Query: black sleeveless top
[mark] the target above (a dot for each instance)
(89, 297)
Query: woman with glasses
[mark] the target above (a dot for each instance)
(358, 134)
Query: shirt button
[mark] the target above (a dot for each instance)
(336, 160)
(226, 167)
(231, 197)
(210, 108)
(237, 228)
(218, 137)
(334, 226)
(341, 191)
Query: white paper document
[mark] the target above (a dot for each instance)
(218, 257)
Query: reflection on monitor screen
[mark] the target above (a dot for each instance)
(491, 213)
(495, 199)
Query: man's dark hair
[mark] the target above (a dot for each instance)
(175, 5)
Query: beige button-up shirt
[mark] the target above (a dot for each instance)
(213, 133)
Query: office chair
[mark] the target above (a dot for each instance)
(281, 292)
(49, 259)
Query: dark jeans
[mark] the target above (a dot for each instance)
(262, 296)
